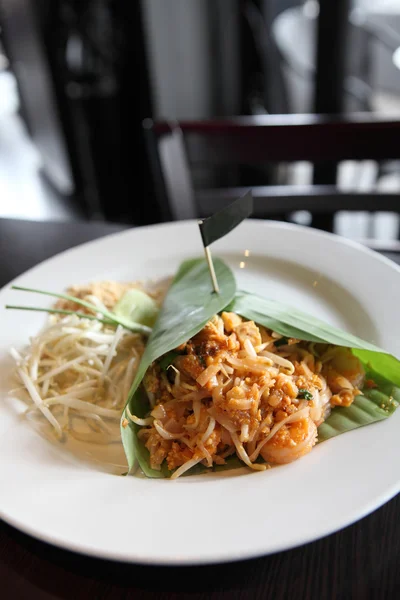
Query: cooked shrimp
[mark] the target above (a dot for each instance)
(291, 442)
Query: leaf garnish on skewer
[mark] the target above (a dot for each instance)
(220, 224)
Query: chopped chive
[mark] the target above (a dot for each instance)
(110, 316)
(304, 394)
(89, 305)
(61, 311)
(202, 360)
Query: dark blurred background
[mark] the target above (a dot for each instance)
(77, 78)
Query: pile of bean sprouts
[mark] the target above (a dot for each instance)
(78, 369)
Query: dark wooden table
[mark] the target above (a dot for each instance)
(360, 562)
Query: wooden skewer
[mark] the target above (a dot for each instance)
(210, 263)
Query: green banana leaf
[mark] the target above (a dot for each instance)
(190, 303)
(291, 322)
(374, 405)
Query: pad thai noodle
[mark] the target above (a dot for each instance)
(238, 388)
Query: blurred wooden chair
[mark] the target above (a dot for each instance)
(176, 147)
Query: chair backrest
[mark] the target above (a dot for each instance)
(262, 140)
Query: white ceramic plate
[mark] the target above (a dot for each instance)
(76, 504)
